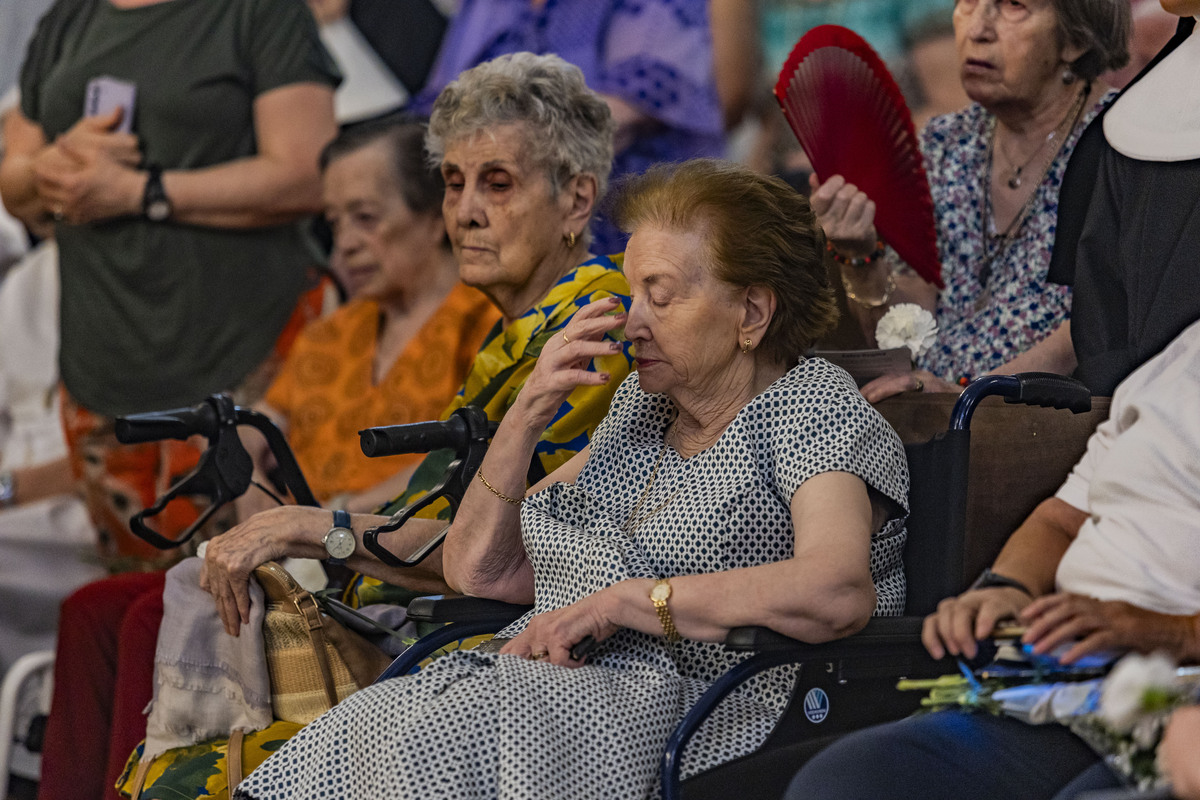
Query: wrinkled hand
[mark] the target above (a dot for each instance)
(89, 174)
(1177, 753)
(846, 215)
(231, 557)
(960, 622)
(918, 380)
(556, 632)
(1099, 625)
(564, 360)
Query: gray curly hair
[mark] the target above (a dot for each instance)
(571, 126)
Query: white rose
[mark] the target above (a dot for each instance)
(1121, 699)
(906, 325)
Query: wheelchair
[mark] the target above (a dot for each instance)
(841, 686)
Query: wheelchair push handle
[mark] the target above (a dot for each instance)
(1028, 388)
(456, 433)
(418, 437)
(175, 423)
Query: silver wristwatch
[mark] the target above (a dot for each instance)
(339, 541)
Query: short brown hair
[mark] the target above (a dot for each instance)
(1100, 28)
(759, 232)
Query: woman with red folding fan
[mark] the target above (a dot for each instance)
(1032, 68)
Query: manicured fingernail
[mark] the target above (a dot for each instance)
(614, 346)
(606, 376)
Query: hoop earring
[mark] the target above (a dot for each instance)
(1068, 76)
(746, 345)
(570, 237)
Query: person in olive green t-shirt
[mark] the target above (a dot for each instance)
(232, 103)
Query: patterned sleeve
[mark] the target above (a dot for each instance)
(284, 47)
(841, 432)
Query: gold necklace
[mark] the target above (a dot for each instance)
(1014, 176)
(635, 518)
(1006, 237)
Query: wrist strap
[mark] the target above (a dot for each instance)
(988, 579)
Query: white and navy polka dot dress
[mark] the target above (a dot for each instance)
(486, 725)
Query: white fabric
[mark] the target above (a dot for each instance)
(28, 371)
(1140, 482)
(206, 682)
(368, 87)
(1158, 118)
(43, 546)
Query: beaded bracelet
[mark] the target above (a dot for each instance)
(856, 262)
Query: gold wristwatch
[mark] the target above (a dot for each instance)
(659, 596)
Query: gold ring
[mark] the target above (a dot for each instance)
(920, 384)
(565, 339)
(538, 656)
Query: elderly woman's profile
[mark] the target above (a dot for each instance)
(733, 482)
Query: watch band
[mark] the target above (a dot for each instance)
(664, 613)
(156, 206)
(988, 579)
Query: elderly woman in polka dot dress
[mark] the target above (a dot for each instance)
(734, 482)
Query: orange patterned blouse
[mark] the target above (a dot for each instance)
(325, 391)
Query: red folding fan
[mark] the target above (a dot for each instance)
(848, 113)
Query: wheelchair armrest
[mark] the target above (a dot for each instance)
(880, 632)
(459, 608)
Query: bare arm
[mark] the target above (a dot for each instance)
(40, 481)
(280, 183)
(1054, 354)
(23, 141)
(1030, 556)
(736, 55)
(298, 532)
(824, 592)
(483, 551)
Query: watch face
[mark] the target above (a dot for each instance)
(158, 210)
(339, 543)
(661, 591)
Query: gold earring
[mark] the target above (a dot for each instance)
(746, 345)
(570, 240)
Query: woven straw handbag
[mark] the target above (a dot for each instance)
(313, 660)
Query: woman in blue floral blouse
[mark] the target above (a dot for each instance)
(994, 169)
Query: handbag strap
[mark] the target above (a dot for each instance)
(139, 777)
(233, 759)
(307, 606)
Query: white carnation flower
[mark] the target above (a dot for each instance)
(906, 325)
(1122, 701)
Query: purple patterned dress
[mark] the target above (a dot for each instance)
(985, 320)
(654, 54)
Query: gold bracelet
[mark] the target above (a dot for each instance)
(659, 595)
(499, 493)
(888, 288)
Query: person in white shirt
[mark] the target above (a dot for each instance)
(1110, 563)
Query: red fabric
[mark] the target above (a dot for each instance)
(105, 629)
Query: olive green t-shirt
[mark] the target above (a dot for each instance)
(158, 315)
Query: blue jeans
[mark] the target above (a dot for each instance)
(951, 755)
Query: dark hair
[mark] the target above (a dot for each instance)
(758, 231)
(1101, 28)
(419, 185)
